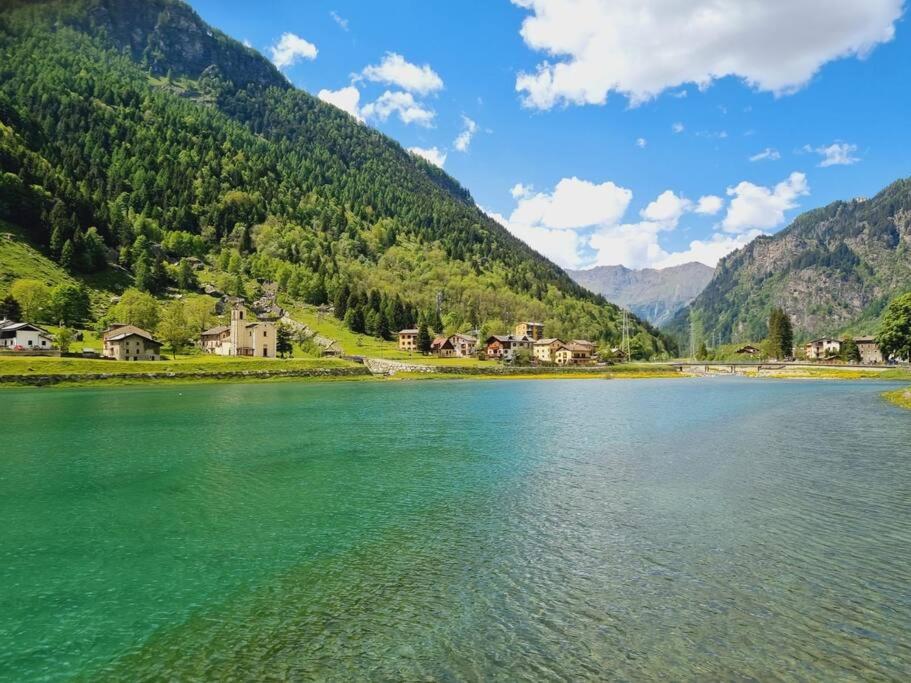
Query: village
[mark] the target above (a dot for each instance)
(526, 345)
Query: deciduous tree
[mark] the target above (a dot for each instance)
(174, 328)
(32, 295)
(895, 330)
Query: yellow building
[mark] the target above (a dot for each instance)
(408, 340)
(533, 331)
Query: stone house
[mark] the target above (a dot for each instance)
(128, 342)
(870, 353)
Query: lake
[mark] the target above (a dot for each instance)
(461, 530)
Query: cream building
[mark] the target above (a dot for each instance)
(251, 338)
(544, 349)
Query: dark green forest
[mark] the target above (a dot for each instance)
(133, 135)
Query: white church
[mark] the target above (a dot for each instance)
(243, 337)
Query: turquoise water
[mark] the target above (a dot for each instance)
(510, 530)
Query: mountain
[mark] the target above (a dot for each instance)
(652, 294)
(131, 131)
(833, 270)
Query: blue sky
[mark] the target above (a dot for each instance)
(640, 132)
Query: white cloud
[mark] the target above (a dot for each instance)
(755, 207)
(641, 142)
(634, 245)
(463, 140)
(290, 49)
(666, 209)
(560, 246)
(768, 154)
(551, 223)
(579, 224)
(573, 204)
(640, 48)
(396, 70)
(401, 103)
(837, 154)
(519, 190)
(677, 127)
(708, 251)
(346, 99)
(247, 43)
(709, 205)
(341, 21)
(433, 155)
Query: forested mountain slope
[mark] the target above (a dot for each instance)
(832, 270)
(132, 131)
(654, 294)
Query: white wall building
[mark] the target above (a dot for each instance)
(24, 336)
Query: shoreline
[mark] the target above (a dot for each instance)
(334, 373)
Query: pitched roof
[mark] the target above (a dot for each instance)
(125, 331)
(10, 326)
(409, 331)
(463, 336)
(218, 329)
(548, 341)
(866, 340)
(440, 342)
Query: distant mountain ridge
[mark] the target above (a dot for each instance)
(833, 270)
(652, 294)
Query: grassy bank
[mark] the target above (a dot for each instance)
(37, 365)
(900, 397)
(42, 371)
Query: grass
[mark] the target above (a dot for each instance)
(19, 259)
(40, 365)
(354, 344)
(900, 397)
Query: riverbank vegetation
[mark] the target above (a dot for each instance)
(900, 397)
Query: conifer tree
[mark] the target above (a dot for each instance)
(283, 343)
(424, 339)
(10, 309)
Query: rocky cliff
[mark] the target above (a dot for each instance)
(833, 270)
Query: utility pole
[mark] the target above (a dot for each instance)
(692, 340)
